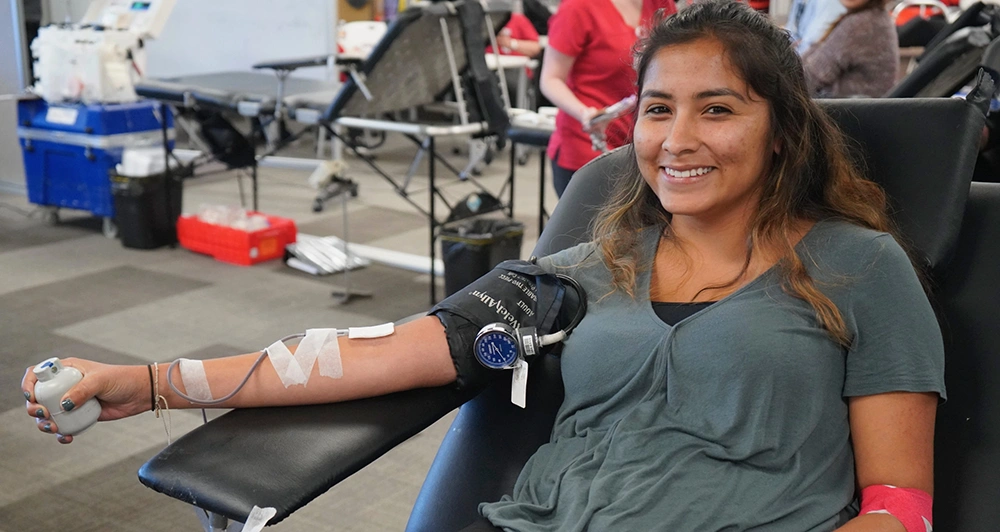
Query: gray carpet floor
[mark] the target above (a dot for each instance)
(66, 290)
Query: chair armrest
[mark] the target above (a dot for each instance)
(349, 61)
(284, 457)
(164, 91)
(294, 64)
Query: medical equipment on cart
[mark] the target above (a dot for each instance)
(383, 93)
(100, 58)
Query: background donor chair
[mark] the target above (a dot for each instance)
(921, 150)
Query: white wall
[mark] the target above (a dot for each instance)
(12, 65)
(11, 82)
(11, 162)
(205, 36)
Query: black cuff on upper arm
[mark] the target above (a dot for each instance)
(461, 333)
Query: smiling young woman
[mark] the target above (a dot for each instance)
(742, 209)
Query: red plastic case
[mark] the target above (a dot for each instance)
(236, 246)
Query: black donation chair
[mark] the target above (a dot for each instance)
(952, 58)
(921, 150)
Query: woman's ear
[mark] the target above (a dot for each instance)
(777, 146)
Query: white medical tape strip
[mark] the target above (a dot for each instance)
(324, 342)
(329, 360)
(285, 365)
(309, 348)
(258, 518)
(375, 331)
(194, 379)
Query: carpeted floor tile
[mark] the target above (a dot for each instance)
(107, 500)
(364, 224)
(87, 296)
(31, 232)
(250, 310)
(395, 293)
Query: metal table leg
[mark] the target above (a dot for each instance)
(433, 221)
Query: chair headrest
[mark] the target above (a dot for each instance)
(922, 152)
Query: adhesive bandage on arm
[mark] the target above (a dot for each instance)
(194, 379)
(912, 507)
(317, 346)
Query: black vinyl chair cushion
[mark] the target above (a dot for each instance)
(967, 436)
(528, 135)
(937, 61)
(407, 67)
(910, 147)
(163, 90)
(206, 98)
(976, 14)
(183, 95)
(285, 457)
(294, 64)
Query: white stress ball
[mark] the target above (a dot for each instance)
(54, 380)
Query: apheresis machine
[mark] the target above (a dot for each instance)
(84, 111)
(99, 59)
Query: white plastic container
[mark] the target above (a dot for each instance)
(54, 380)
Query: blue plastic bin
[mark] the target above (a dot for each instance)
(70, 151)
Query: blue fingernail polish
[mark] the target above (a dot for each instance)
(39, 413)
(27, 396)
(68, 405)
(47, 427)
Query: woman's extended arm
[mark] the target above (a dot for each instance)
(416, 355)
(525, 47)
(893, 438)
(555, 71)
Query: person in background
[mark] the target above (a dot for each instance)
(809, 20)
(518, 36)
(858, 56)
(586, 67)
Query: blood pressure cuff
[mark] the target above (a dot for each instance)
(516, 293)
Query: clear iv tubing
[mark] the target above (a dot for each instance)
(263, 354)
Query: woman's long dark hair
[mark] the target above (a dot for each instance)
(812, 178)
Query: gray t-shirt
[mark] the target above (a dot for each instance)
(736, 418)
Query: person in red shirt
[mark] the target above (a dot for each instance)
(586, 67)
(518, 37)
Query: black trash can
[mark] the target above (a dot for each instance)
(473, 246)
(146, 209)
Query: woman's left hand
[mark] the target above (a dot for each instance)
(123, 391)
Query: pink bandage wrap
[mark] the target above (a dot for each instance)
(911, 506)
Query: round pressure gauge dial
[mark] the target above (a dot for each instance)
(496, 346)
